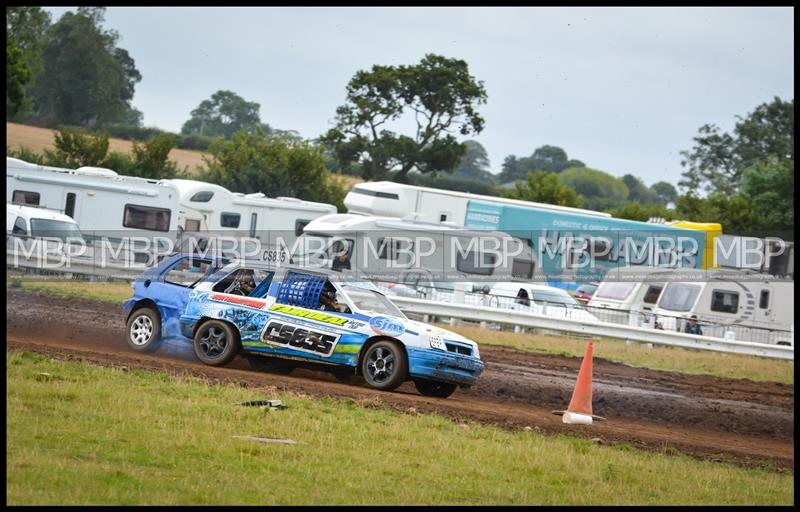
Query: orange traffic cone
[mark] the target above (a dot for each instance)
(580, 407)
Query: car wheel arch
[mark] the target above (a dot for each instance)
(371, 341)
(203, 319)
(146, 303)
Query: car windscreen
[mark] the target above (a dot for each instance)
(614, 290)
(48, 228)
(541, 297)
(370, 301)
(679, 296)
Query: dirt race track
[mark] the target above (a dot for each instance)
(744, 422)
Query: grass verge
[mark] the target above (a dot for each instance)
(82, 434)
(674, 359)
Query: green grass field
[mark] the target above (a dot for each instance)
(660, 358)
(82, 434)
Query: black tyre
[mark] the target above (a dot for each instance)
(435, 389)
(269, 365)
(143, 331)
(384, 365)
(216, 343)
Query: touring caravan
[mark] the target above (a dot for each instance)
(385, 248)
(738, 304)
(629, 289)
(102, 202)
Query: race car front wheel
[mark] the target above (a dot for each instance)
(143, 329)
(216, 343)
(384, 365)
(436, 389)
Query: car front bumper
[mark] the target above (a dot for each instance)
(443, 366)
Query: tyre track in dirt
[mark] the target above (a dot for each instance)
(708, 417)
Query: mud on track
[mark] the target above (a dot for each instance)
(739, 421)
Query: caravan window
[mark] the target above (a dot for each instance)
(475, 263)
(229, 220)
(299, 226)
(385, 195)
(724, 301)
(652, 294)
(763, 301)
(614, 290)
(25, 197)
(679, 296)
(388, 248)
(146, 217)
(20, 227)
(522, 269)
(192, 225)
(202, 197)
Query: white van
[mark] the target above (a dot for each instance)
(539, 299)
(737, 304)
(28, 222)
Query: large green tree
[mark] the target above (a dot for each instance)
(86, 80)
(599, 189)
(26, 28)
(253, 162)
(438, 93)
(665, 192)
(544, 158)
(718, 159)
(474, 165)
(638, 191)
(18, 74)
(224, 114)
(544, 187)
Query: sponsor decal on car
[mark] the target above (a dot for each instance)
(297, 337)
(310, 315)
(386, 326)
(237, 299)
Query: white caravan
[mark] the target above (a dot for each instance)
(738, 304)
(386, 248)
(252, 215)
(102, 202)
(389, 199)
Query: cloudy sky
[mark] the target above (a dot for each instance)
(622, 89)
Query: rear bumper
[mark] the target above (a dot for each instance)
(443, 366)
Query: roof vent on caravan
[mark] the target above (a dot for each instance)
(95, 171)
(292, 199)
(255, 195)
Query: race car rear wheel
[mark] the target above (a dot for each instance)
(384, 365)
(266, 364)
(143, 331)
(436, 389)
(216, 343)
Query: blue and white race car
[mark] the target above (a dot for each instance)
(301, 316)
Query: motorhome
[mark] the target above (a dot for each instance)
(389, 199)
(253, 215)
(738, 304)
(385, 248)
(102, 202)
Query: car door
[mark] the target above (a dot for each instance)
(171, 291)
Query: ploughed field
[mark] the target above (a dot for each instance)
(745, 422)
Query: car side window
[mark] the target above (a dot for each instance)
(187, 272)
